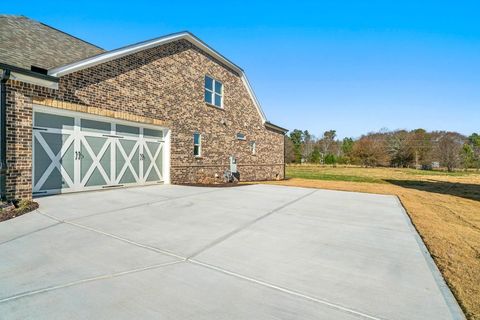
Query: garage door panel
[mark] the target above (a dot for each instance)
(54, 141)
(127, 161)
(136, 163)
(41, 161)
(53, 161)
(54, 181)
(106, 160)
(152, 133)
(96, 179)
(153, 155)
(153, 176)
(128, 146)
(146, 164)
(95, 126)
(75, 154)
(96, 143)
(127, 130)
(127, 177)
(95, 160)
(53, 121)
(86, 163)
(68, 161)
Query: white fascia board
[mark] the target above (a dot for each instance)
(33, 80)
(253, 97)
(118, 53)
(111, 55)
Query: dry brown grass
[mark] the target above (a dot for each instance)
(444, 208)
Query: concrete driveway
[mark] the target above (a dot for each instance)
(249, 252)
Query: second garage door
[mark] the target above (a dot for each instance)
(75, 153)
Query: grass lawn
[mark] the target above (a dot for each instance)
(444, 207)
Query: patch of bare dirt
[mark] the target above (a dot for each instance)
(12, 210)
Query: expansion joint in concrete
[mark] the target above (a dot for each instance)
(77, 282)
(157, 250)
(248, 224)
(285, 290)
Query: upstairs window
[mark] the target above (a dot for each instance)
(213, 92)
(197, 144)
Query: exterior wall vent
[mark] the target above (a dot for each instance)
(241, 136)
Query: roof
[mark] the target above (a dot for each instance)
(25, 42)
(185, 35)
(274, 127)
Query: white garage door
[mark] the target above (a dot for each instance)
(75, 153)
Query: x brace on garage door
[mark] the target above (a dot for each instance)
(74, 153)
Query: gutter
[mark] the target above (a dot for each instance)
(274, 127)
(3, 132)
(28, 76)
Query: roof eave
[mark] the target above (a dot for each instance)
(28, 76)
(120, 52)
(274, 127)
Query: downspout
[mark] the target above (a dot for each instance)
(284, 156)
(3, 133)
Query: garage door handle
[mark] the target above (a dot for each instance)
(112, 136)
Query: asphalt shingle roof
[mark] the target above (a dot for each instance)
(25, 42)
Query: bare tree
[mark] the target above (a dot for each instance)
(449, 149)
(422, 147)
(399, 148)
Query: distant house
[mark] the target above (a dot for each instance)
(167, 110)
(430, 166)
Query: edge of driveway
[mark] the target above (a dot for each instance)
(452, 303)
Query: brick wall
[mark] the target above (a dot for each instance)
(162, 85)
(19, 137)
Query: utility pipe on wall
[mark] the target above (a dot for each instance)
(3, 133)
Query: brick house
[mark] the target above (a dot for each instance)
(167, 110)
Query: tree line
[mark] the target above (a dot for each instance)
(399, 148)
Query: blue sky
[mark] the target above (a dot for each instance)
(353, 66)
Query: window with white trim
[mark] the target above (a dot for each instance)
(213, 92)
(197, 144)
